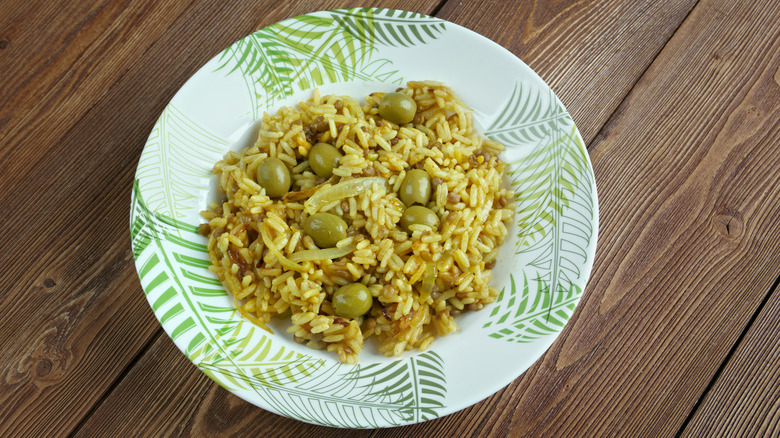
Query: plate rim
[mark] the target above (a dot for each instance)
(590, 256)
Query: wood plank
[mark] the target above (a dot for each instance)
(165, 395)
(136, 135)
(59, 58)
(590, 53)
(745, 399)
(103, 419)
(79, 313)
(74, 314)
(689, 184)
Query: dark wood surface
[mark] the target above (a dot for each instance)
(677, 331)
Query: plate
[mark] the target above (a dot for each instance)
(541, 270)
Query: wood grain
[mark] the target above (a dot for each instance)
(75, 305)
(745, 399)
(74, 315)
(165, 385)
(64, 56)
(591, 53)
(688, 173)
(683, 121)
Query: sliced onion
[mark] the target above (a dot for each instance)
(322, 254)
(303, 194)
(251, 318)
(342, 190)
(284, 261)
(428, 281)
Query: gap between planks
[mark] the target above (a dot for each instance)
(437, 8)
(157, 334)
(119, 378)
(606, 123)
(773, 289)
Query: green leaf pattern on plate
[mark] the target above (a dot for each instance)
(171, 173)
(554, 214)
(403, 391)
(195, 309)
(531, 115)
(308, 51)
(530, 314)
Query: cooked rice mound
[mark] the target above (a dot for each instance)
(420, 281)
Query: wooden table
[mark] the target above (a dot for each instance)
(677, 332)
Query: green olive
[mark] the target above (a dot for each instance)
(326, 229)
(323, 158)
(352, 300)
(415, 188)
(397, 108)
(274, 176)
(417, 214)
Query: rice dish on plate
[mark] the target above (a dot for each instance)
(354, 222)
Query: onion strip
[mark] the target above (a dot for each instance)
(428, 281)
(306, 193)
(342, 190)
(282, 259)
(322, 254)
(255, 321)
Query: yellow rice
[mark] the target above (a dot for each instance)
(248, 229)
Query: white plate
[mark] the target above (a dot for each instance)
(541, 269)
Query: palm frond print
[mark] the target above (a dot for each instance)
(193, 307)
(554, 213)
(533, 311)
(308, 51)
